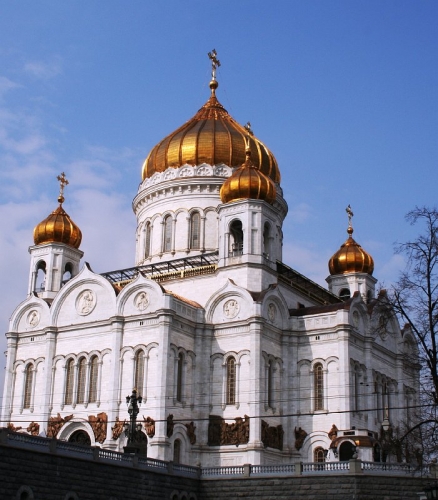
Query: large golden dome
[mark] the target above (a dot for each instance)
(212, 136)
(247, 182)
(58, 226)
(351, 258)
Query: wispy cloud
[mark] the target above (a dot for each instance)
(44, 70)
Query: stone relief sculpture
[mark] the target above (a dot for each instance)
(99, 425)
(333, 432)
(86, 302)
(55, 424)
(118, 428)
(272, 436)
(300, 436)
(149, 426)
(221, 433)
(142, 301)
(191, 432)
(231, 308)
(33, 319)
(12, 427)
(170, 425)
(33, 428)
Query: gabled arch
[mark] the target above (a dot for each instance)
(229, 291)
(155, 296)
(86, 278)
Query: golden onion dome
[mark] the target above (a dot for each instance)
(212, 136)
(58, 226)
(247, 182)
(351, 258)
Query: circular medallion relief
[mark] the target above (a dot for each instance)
(231, 308)
(272, 312)
(85, 302)
(33, 318)
(141, 301)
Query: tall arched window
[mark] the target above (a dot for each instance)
(231, 381)
(28, 383)
(40, 278)
(318, 387)
(69, 375)
(195, 231)
(319, 454)
(177, 451)
(270, 384)
(179, 377)
(139, 372)
(82, 370)
(147, 241)
(92, 393)
(68, 272)
(266, 240)
(167, 241)
(236, 238)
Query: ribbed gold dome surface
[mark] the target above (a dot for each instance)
(351, 258)
(247, 182)
(212, 136)
(57, 228)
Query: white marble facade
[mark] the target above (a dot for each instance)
(236, 339)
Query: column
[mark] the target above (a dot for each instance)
(117, 323)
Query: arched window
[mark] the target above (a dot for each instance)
(179, 377)
(68, 270)
(319, 454)
(139, 372)
(236, 238)
(318, 387)
(69, 376)
(346, 451)
(147, 242)
(92, 393)
(167, 237)
(40, 278)
(195, 231)
(28, 382)
(82, 370)
(344, 294)
(177, 451)
(80, 437)
(270, 384)
(231, 381)
(266, 240)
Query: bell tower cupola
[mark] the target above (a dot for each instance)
(351, 268)
(55, 254)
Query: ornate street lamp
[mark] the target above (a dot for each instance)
(137, 442)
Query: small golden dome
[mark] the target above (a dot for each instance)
(58, 226)
(351, 258)
(212, 136)
(247, 182)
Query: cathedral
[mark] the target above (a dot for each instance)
(238, 358)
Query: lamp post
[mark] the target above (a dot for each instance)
(386, 435)
(136, 439)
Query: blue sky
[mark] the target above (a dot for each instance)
(343, 92)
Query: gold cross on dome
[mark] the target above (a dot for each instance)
(248, 128)
(350, 214)
(215, 63)
(62, 183)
